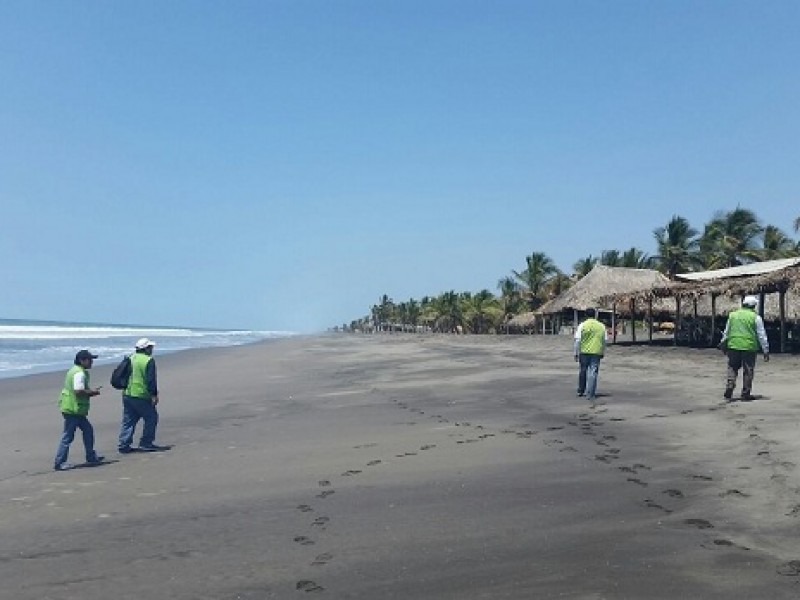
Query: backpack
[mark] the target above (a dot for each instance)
(121, 374)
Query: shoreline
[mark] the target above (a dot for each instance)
(415, 467)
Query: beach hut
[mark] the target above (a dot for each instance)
(591, 291)
(713, 294)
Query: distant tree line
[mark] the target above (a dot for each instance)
(729, 239)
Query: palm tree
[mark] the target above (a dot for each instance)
(481, 311)
(634, 258)
(777, 244)
(677, 246)
(610, 258)
(583, 266)
(509, 295)
(730, 239)
(539, 269)
(797, 224)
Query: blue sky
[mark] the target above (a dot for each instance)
(281, 164)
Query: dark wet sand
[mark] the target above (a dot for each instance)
(406, 467)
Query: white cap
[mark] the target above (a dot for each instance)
(144, 343)
(750, 301)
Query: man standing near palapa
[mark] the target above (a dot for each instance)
(74, 404)
(744, 334)
(589, 348)
(139, 400)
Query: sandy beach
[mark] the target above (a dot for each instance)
(412, 467)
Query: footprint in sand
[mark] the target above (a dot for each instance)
(794, 511)
(555, 428)
(304, 508)
(350, 472)
(568, 449)
(638, 481)
(372, 463)
(699, 523)
(616, 419)
(427, 446)
(700, 477)
(627, 470)
(734, 493)
(304, 541)
(320, 521)
(650, 504)
(673, 492)
(324, 483)
(305, 585)
(641, 466)
(322, 559)
(790, 569)
(325, 494)
(729, 544)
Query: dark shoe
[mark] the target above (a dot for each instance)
(747, 397)
(96, 460)
(64, 467)
(125, 450)
(580, 394)
(728, 393)
(152, 448)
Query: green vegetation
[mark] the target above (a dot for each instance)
(729, 239)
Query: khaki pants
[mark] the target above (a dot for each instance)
(741, 359)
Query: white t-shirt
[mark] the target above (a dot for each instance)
(79, 381)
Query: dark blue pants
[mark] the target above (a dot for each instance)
(71, 423)
(587, 375)
(134, 409)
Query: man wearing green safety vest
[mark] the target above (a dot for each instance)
(744, 334)
(139, 401)
(74, 405)
(589, 348)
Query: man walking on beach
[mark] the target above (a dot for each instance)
(589, 347)
(139, 400)
(74, 405)
(744, 333)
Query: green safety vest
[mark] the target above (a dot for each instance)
(593, 334)
(137, 384)
(742, 333)
(70, 403)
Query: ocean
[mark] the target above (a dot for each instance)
(28, 347)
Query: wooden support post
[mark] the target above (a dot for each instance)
(761, 304)
(614, 323)
(711, 338)
(694, 316)
(677, 320)
(782, 305)
(650, 320)
(633, 319)
(574, 320)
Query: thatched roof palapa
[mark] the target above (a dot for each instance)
(727, 286)
(603, 282)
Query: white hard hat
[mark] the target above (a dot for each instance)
(144, 343)
(750, 301)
